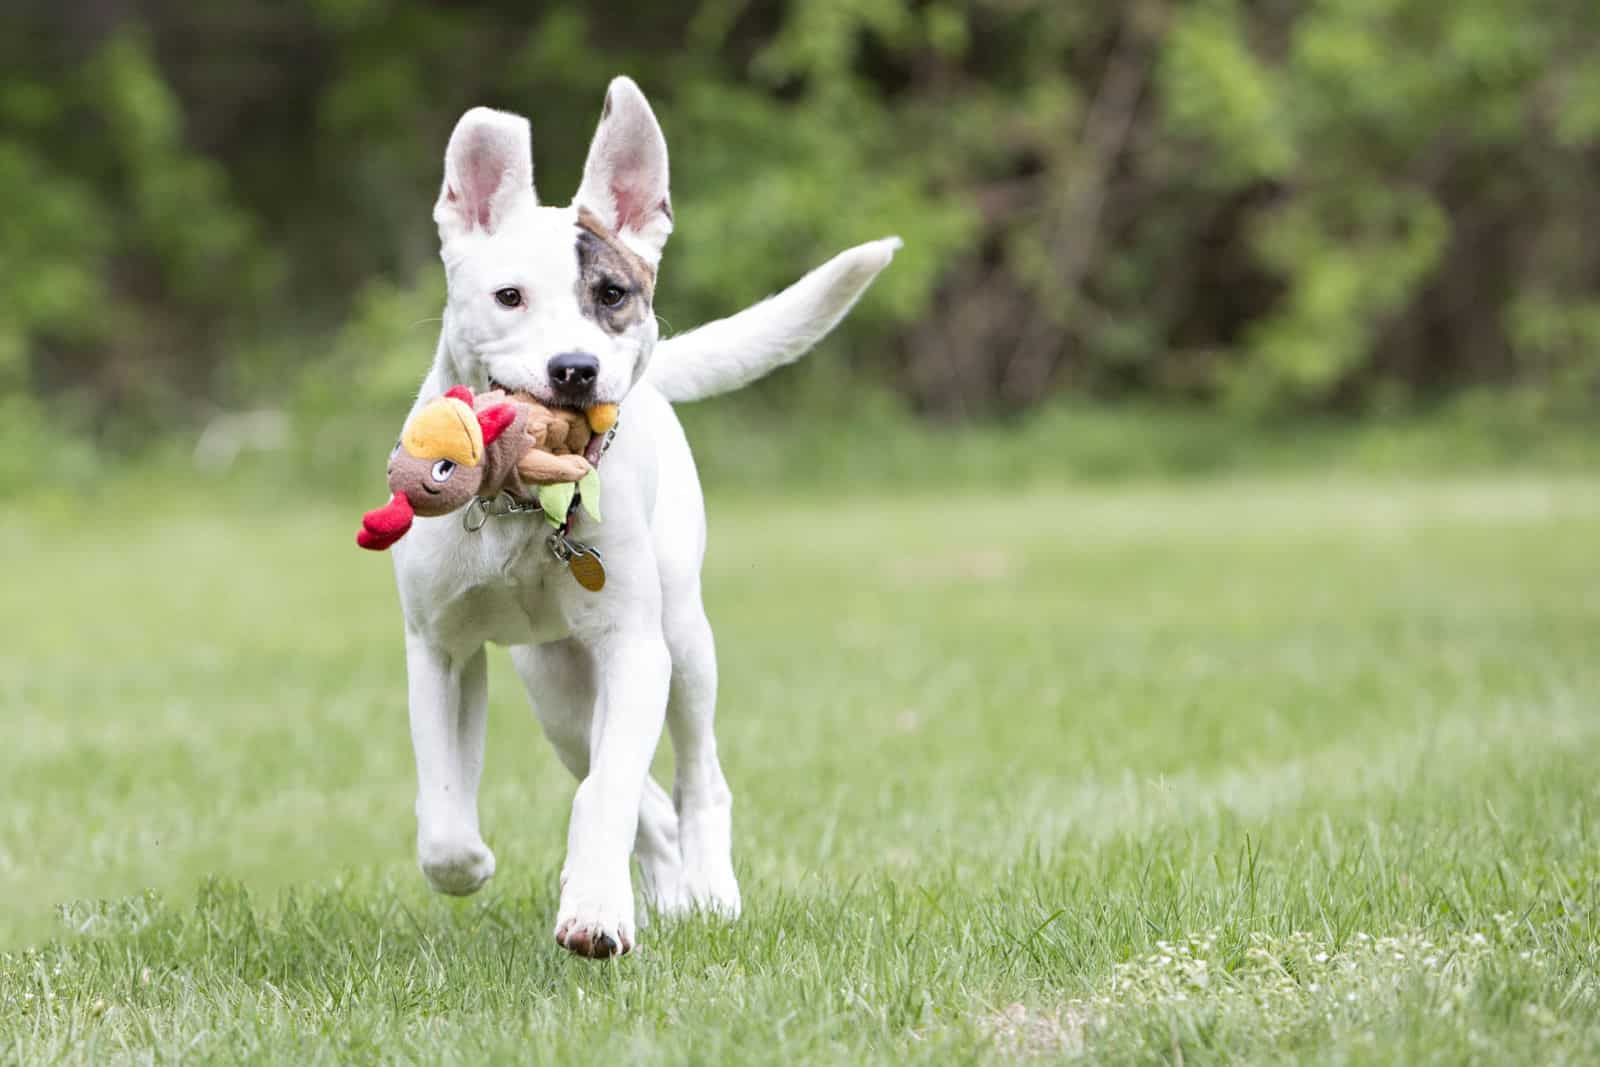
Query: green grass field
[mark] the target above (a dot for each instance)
(1247, 770)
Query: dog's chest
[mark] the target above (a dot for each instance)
(499, 585)
(506, 613)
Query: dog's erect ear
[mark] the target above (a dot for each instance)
(488, 169)
(625, 178)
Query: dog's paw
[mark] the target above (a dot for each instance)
(708, 881)
(596, 918)
(661, 889)
(712, 889)
(457, 865)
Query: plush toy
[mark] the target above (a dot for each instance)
(460, 446)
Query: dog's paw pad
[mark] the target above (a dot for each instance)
(458, 867)
(598, 925)
(594, 942)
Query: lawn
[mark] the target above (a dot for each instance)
(1247, 770)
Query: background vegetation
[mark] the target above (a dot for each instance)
(1265, 209)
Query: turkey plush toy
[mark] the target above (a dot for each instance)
(460, 446)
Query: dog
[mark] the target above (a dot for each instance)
(555, 302)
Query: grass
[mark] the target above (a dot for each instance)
(1250, 771)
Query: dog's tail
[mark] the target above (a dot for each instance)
(729, 353)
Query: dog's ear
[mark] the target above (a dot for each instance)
(488, 170)
(625, 177)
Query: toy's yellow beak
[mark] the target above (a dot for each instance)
(445, 429)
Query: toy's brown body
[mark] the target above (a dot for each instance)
(554, 442)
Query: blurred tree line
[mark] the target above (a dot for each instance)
(1271, 205)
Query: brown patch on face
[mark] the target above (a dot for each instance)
(603, 262)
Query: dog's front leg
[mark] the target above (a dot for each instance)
(449, 704)
(596, 913)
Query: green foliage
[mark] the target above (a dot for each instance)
(1352, 262)
(126, 249)
(1352, 206)
(1558, 345)
(1215, 90)
(1400, 142)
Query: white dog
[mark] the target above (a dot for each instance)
(557, 302)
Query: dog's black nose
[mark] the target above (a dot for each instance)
(573, 372)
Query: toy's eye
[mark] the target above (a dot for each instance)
(508, 297)
(442, 470)
(612, 296)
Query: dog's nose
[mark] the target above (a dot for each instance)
(573, 372)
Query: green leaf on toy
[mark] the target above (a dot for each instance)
(555, 500)
(589, 493)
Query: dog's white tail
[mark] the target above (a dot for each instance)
(729, 353)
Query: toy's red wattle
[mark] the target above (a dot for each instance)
(461, 393)
(383, 526)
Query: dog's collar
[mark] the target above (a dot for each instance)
(480, 509)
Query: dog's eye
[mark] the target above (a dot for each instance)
(442, 470)
(508, 297)
(612, 296)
